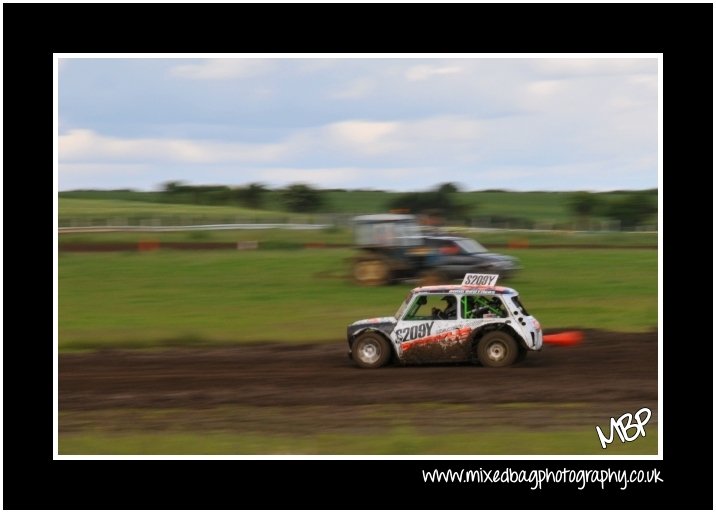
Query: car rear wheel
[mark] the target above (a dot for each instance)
(497, 349)
(370, 351)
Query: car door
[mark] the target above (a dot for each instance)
(423, 336)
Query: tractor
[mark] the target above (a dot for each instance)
(395, 247)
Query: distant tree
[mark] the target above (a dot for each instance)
(632, 209)
(252, 196)
(210, 194)
(302, 198)
(448, 188)
(583, 205)
(439, 202)
(173, 187)
(178, 192)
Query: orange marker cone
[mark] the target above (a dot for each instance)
(566, 338)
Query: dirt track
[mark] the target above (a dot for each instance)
(607, 375)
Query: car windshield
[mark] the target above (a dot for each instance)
(471, 246)
(403, 306)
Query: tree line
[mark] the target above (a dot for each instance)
(296, 198)
(629, 209)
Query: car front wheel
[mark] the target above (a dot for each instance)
(371, 351)
(497, 349)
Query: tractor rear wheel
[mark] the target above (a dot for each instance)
(371, 272)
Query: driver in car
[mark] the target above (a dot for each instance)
(449, 312)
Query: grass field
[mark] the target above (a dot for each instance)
(383, 429)
(169, 298)
(119, 210)
(396, 442)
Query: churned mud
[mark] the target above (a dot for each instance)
(316, 387)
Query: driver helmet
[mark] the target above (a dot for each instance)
(451, 303)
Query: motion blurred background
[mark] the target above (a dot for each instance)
(205, 248)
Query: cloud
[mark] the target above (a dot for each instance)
(94, 168)
(445, 137)
(78, 176)
(88, 146)
(444, 129)
(196, 119)
(623, 103)
(603, 175)
(325, 177)
(360, 133)
(647, 79)
(545, 87)
(594, 66)
(352, 152)
(356, 177)
(359, 88)
(222, 69)
(425, 71)
(407, 139)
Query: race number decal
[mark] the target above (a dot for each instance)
(480, 279)
(413, 332)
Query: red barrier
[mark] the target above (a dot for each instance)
(148, 245)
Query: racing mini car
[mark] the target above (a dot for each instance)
(476, 321)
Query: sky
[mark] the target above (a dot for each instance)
(398, 123)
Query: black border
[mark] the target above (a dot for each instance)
(32, 480)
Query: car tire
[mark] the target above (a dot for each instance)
(371, 351)
(521, 354)
(497, 349)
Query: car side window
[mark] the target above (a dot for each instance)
(482, 307)
(423, 308)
